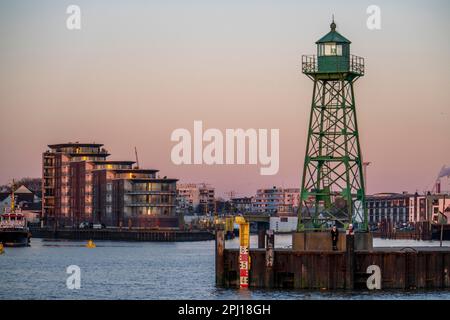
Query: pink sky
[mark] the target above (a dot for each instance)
(136, 72)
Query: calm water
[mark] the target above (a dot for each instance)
(130, 270)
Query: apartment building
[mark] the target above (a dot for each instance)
(200, 197)
(242, 205)
(276, 200)
(80, 184)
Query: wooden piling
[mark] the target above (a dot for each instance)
(350, 261)
(261, 237)
(270, 239)
(220, 248)
(270, 258)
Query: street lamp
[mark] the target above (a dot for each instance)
(365, 165)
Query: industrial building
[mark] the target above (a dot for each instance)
(404, 207)
(81, 185)
(388, 206)
(428, 207)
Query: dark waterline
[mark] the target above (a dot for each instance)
(149, 270)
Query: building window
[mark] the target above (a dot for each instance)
(330, 49)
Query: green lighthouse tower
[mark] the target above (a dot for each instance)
(332, 189)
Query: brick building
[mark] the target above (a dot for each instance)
(81, 185)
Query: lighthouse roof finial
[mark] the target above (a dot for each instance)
(333, 35)
(333, 25)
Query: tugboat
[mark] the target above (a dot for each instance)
(14, 231)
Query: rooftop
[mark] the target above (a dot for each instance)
(389, 195)
(74, 144)
(333, 36)
(113, 162)
(135, 170)
(155, 179)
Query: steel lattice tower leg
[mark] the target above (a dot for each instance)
(332, 183)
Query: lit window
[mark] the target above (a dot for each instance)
(330, 49)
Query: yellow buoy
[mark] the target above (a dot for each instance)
(1, 248)
(90, 244)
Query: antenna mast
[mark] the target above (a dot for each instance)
(13, 200)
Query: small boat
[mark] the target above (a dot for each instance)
(14, 231)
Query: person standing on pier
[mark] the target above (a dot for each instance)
(350, 230)
(334, 237)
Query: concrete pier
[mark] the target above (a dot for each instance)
(348, 269)
(321, 241)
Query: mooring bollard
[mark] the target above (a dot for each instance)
(220, 247)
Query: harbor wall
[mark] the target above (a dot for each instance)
(349, 269)
(316, 270)
(123, 235)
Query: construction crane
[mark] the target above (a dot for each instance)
(137, 159)
(231, 194)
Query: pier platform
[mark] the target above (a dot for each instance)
(347, 269)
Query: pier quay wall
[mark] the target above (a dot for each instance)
(396, 268)
(124, 235)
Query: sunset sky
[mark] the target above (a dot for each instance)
(137, 70)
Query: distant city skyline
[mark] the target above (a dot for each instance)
(138, 70)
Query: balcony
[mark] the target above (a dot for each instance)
(88, 152)
(147, 204)
(310, 65)
(151, 192)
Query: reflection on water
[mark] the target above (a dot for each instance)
(150, 270)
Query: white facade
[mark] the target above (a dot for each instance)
(283, 224)
(404, 208)
(196, 194)
(428, 207)
(274, 200)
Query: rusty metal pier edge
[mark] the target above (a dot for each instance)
(406, 268)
